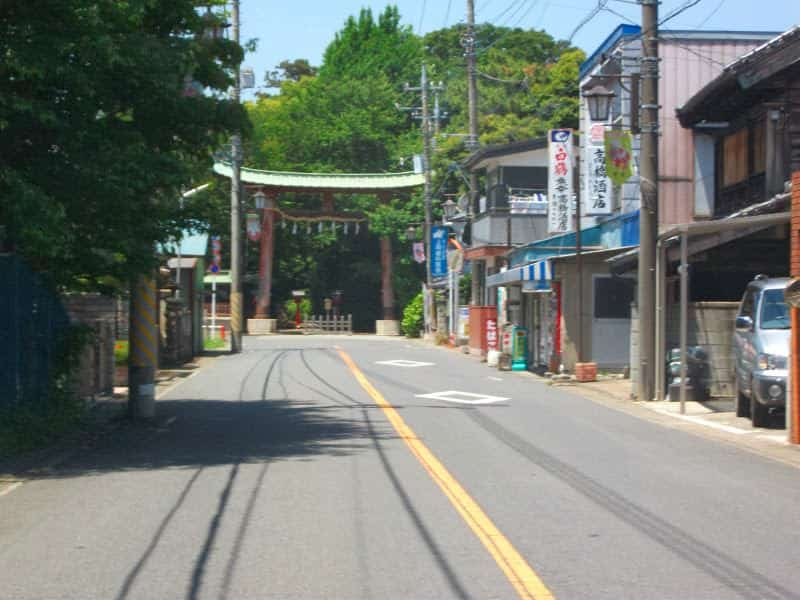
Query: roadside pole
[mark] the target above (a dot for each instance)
(143, 348)
(648, 213)
(236, 303)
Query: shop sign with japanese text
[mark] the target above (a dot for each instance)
(560, 176)
(598, 191)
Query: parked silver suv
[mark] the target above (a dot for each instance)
(761, 348)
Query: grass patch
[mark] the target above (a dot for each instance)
(28, 428)
(214, 344)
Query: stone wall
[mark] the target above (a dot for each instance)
(710, 326)
(96, 373)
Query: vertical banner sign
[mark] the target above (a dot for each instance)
(559, 182)
(619, 155)
(438, 251)
(253, 227)
(419, 252)
(597, 185)
(216, 253)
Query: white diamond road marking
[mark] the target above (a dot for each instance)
(463, 397)
(407, 364)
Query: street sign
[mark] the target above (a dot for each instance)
(214, 268)
(438, 251)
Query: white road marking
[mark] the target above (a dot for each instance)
(704, 423)
(495, 378)
(463, 397)
(406, 364)
(10, 488)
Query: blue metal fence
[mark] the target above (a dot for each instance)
(31, 319)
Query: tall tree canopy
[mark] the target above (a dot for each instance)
(99, 131)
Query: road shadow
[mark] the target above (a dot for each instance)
(203, 433)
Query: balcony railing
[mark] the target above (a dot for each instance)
(741, 195)
(523, 201)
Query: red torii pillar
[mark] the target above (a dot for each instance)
(266, 255)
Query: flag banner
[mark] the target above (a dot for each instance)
(619, 156)
(253, 227)
(419, 252)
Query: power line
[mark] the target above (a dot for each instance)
(601, 4)
(711, 14)
(671, 15)
(422, 17)
(513, 4)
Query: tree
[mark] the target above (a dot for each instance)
(289, 70)
(99, 132)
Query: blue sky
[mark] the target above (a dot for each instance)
(303, 28)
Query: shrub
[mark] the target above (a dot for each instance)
(413, 317)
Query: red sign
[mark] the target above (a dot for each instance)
(491, 334)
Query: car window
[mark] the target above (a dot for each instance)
(774, 311)
(748, 304)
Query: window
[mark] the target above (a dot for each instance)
(774, 311)
(748, 304)
(613, 297)
(734, 161)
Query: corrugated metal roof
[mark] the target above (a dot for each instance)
(325, 181)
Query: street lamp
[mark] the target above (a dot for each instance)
(449, 207)
(259, 198)
(599, 100)
(411, 233)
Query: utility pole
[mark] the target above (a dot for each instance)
(426, 167)
(236, 216)
(648, 213)
(423, 89)
(472, 144)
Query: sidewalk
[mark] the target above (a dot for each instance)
(714, 419)
(105, 414)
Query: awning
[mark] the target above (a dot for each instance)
(539, 271)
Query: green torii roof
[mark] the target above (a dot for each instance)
(332, 182)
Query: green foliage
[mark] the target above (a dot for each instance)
(290, 306)
(97, 133)
(121, 349)
(34, 425)
(413, 317)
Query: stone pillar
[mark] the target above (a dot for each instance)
(387, 288)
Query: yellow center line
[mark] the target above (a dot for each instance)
(524, 579)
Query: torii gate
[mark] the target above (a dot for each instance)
(273, 183)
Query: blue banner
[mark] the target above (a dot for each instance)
(438, 251)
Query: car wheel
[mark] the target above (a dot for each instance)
(742, 401)
(759, 412)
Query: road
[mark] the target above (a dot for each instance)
(316, 467)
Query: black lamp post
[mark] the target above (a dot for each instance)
(599, 100)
